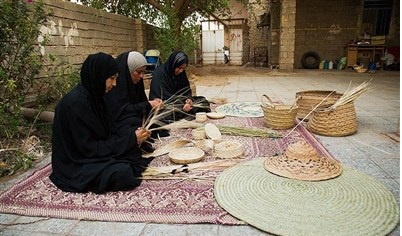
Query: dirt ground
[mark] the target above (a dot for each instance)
(218, 75)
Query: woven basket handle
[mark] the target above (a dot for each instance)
(268, 103)
(295, 102)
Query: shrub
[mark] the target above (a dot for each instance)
(20, 60)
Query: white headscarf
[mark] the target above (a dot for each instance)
(135, 60)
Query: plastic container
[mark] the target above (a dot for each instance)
(326, 64)
(330, 65)
(321, 66)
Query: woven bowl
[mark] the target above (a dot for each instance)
(186, 155)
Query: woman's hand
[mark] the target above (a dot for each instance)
(157, 102)
(188, 106)
(142, 135)
(189, 101)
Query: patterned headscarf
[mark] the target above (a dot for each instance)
(175, 60)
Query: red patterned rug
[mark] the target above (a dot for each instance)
(178, 200)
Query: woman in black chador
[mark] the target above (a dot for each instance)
(86, 154)
(170, 83)
(128, 102)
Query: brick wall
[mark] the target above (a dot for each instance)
(326, 27)
(75, 31)
(287, 35)
(321, 26)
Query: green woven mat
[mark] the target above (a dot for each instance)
(351, 204)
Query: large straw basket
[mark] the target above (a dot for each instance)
(279, 116)
(307, 100)
(338, 122)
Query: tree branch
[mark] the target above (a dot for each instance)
(156, 4)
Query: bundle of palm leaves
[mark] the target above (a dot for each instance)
(249, 131)
(351, 94)
(157, 114)
(193, 171)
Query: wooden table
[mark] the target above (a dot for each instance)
(372, 52)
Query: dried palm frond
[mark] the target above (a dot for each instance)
(200, 104)
(178, 96)
(177, 99)
(167, 148)
(155, 117)
(181, 124)
(171, 105)
(249, 131)
(351, 94)
(167, 171)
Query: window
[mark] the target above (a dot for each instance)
(377, 16)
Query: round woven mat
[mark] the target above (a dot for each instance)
(351, 204)
(241, 109)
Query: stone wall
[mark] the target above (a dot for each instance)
(75, 31)
(259, 37)
(287, 35)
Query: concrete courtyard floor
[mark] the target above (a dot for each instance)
(371, 149)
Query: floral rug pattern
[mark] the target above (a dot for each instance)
(180, 200)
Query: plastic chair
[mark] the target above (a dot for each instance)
(153, 60)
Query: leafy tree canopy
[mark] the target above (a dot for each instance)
(156, 11)
(177, 19)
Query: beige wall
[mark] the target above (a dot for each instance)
(75, 31)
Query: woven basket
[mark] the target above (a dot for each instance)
(338, 122)
(307, 100)
(279, 116)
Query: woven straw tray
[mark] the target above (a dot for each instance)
(186, 155)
